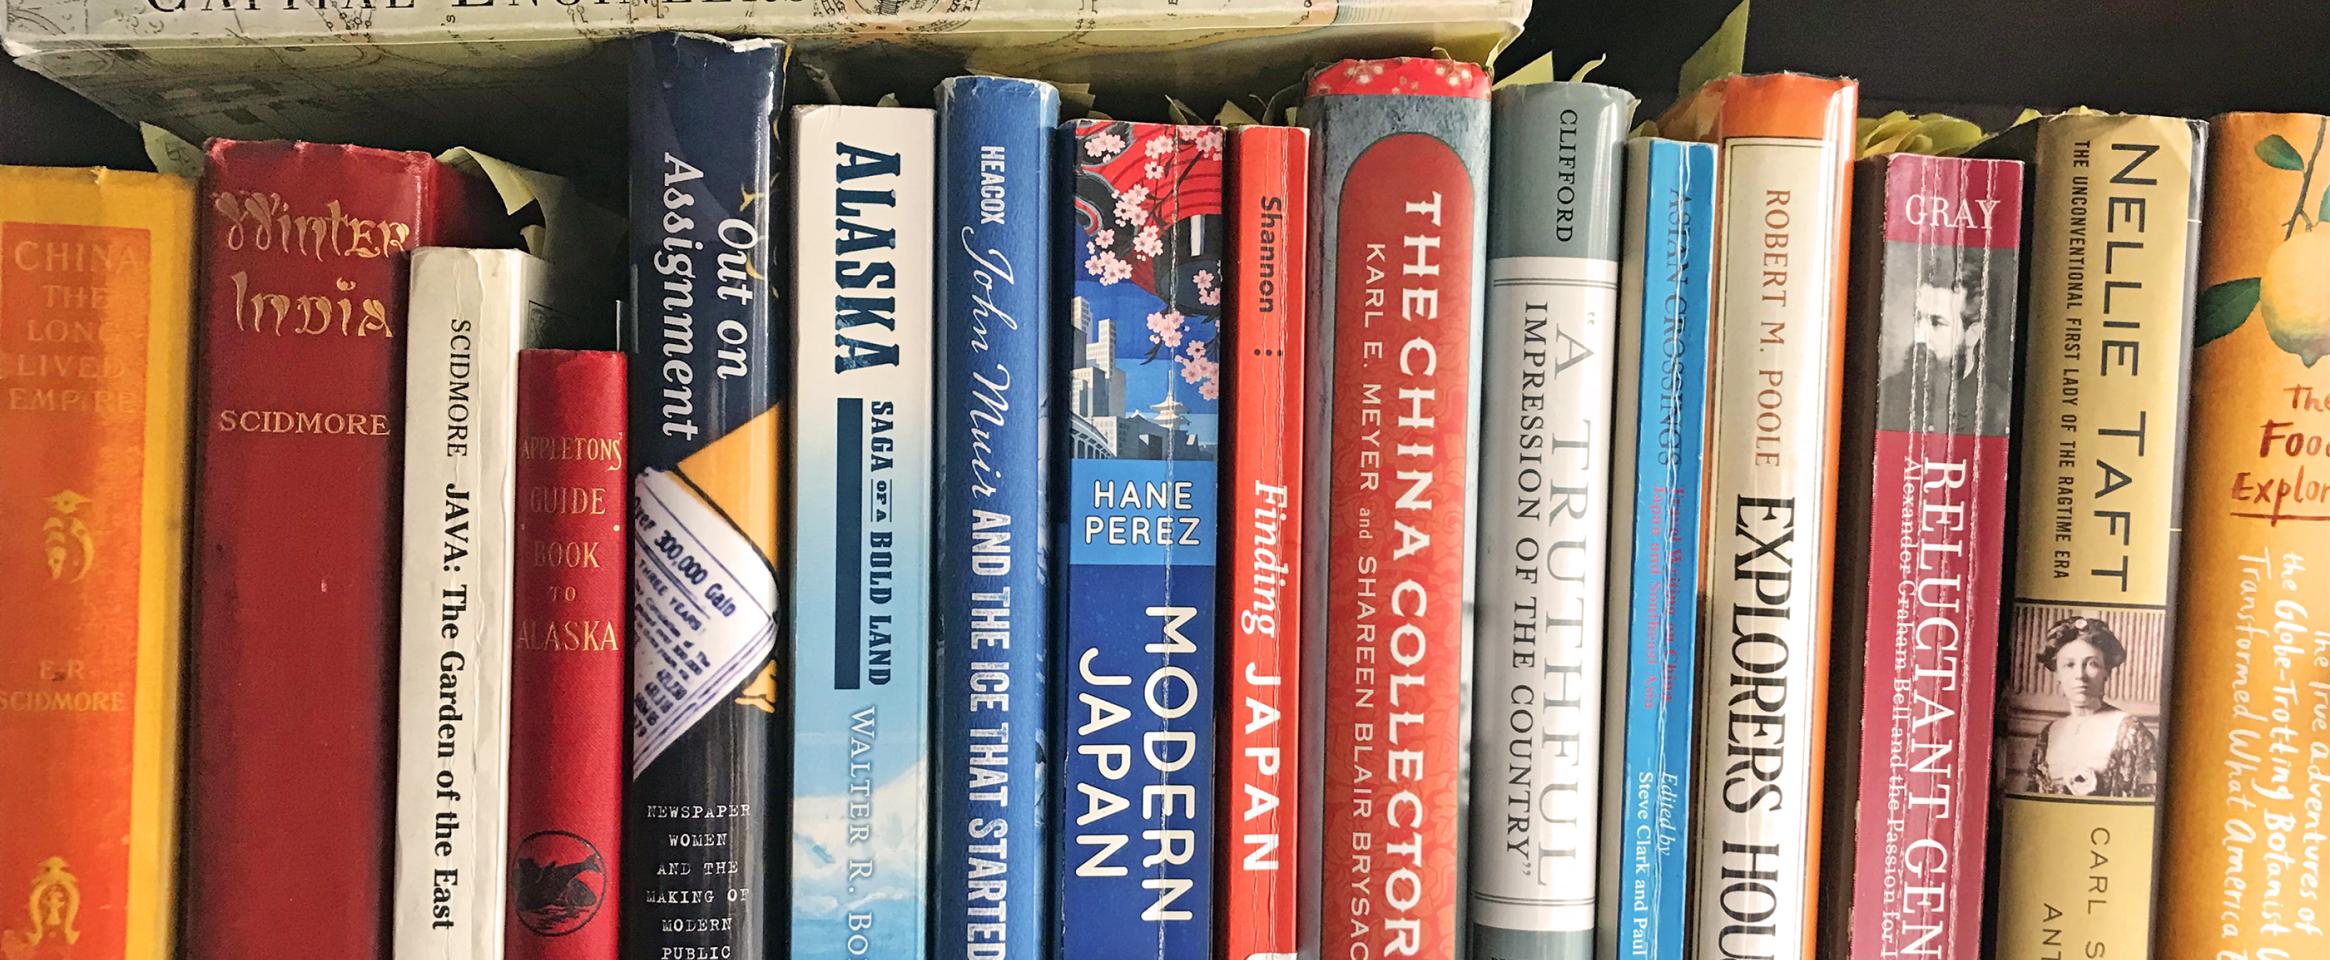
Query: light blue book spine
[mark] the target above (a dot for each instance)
(863, 180)
(1659, 468)
(989, 878)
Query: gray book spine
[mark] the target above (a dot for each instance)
(1547, 380)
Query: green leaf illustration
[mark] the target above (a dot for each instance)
(2223, 309)
(2278, 154)
(2323, 215)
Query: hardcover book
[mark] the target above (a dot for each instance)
(1783, 142)
(863, 182)
(1140, 354)
(1930, 341)
(1659, 443)
(1398, 224)
(1267, 826)
(991, 596)
(2093, 556)
(472, 311)
(567, 665)
(1549, 365)
(97, 285)
(302, 400)
(707, 375)
(2253, 670)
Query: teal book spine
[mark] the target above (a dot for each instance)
(1660, 439)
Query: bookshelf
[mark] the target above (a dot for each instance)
(42, 124)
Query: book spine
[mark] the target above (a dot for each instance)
(991, 593)
(1398, 224)
(2102, 456)
(1660, 439)
(302, 370)
(706, 529)
(1550, 361)
(452, 787)
(1924, 479)
(863, 189)
(97, 288)
(2255, 635)
(567, 661)
(1774, 367)
(1263, 866)
(1140, 357)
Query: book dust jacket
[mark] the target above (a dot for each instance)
(2102, 431)
(2245, 831)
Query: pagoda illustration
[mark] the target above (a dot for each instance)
(1101, 428)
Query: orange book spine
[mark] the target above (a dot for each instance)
(2251, 742)
(95, 320)
(1784, 142)
(1264, 818)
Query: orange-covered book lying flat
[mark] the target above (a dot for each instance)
(95, 319)
(1775, 360)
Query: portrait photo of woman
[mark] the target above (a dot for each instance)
(2098, 749)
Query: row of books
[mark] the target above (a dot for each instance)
(1143, 531)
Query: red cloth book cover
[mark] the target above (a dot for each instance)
(96, 288)
(1261, 752)
(567, 692)
(298, 491)
(1398, 223)
(1922, 477)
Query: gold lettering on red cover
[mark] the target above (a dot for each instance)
(263, 221)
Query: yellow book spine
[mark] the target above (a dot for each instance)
(2114, 217)
(2251, 769)
(96, 277)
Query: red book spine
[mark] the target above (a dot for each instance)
(298, 491)
(1400, 152)
(1262, 748)
(566, 674)
(1932, 341)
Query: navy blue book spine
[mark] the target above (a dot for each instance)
(995, 226)
(703, 859)
(1141, 345)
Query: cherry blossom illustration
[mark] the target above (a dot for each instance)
(1149, 211)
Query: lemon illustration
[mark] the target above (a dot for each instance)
(2294, 295)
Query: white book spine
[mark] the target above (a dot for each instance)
(1773, 370)
(468, 318)
(1547, 385)
(864, 180)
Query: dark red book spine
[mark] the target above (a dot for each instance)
(1399, 162)
(298, 490)
(1924, 478)
(566, 673)
(1261, 752)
